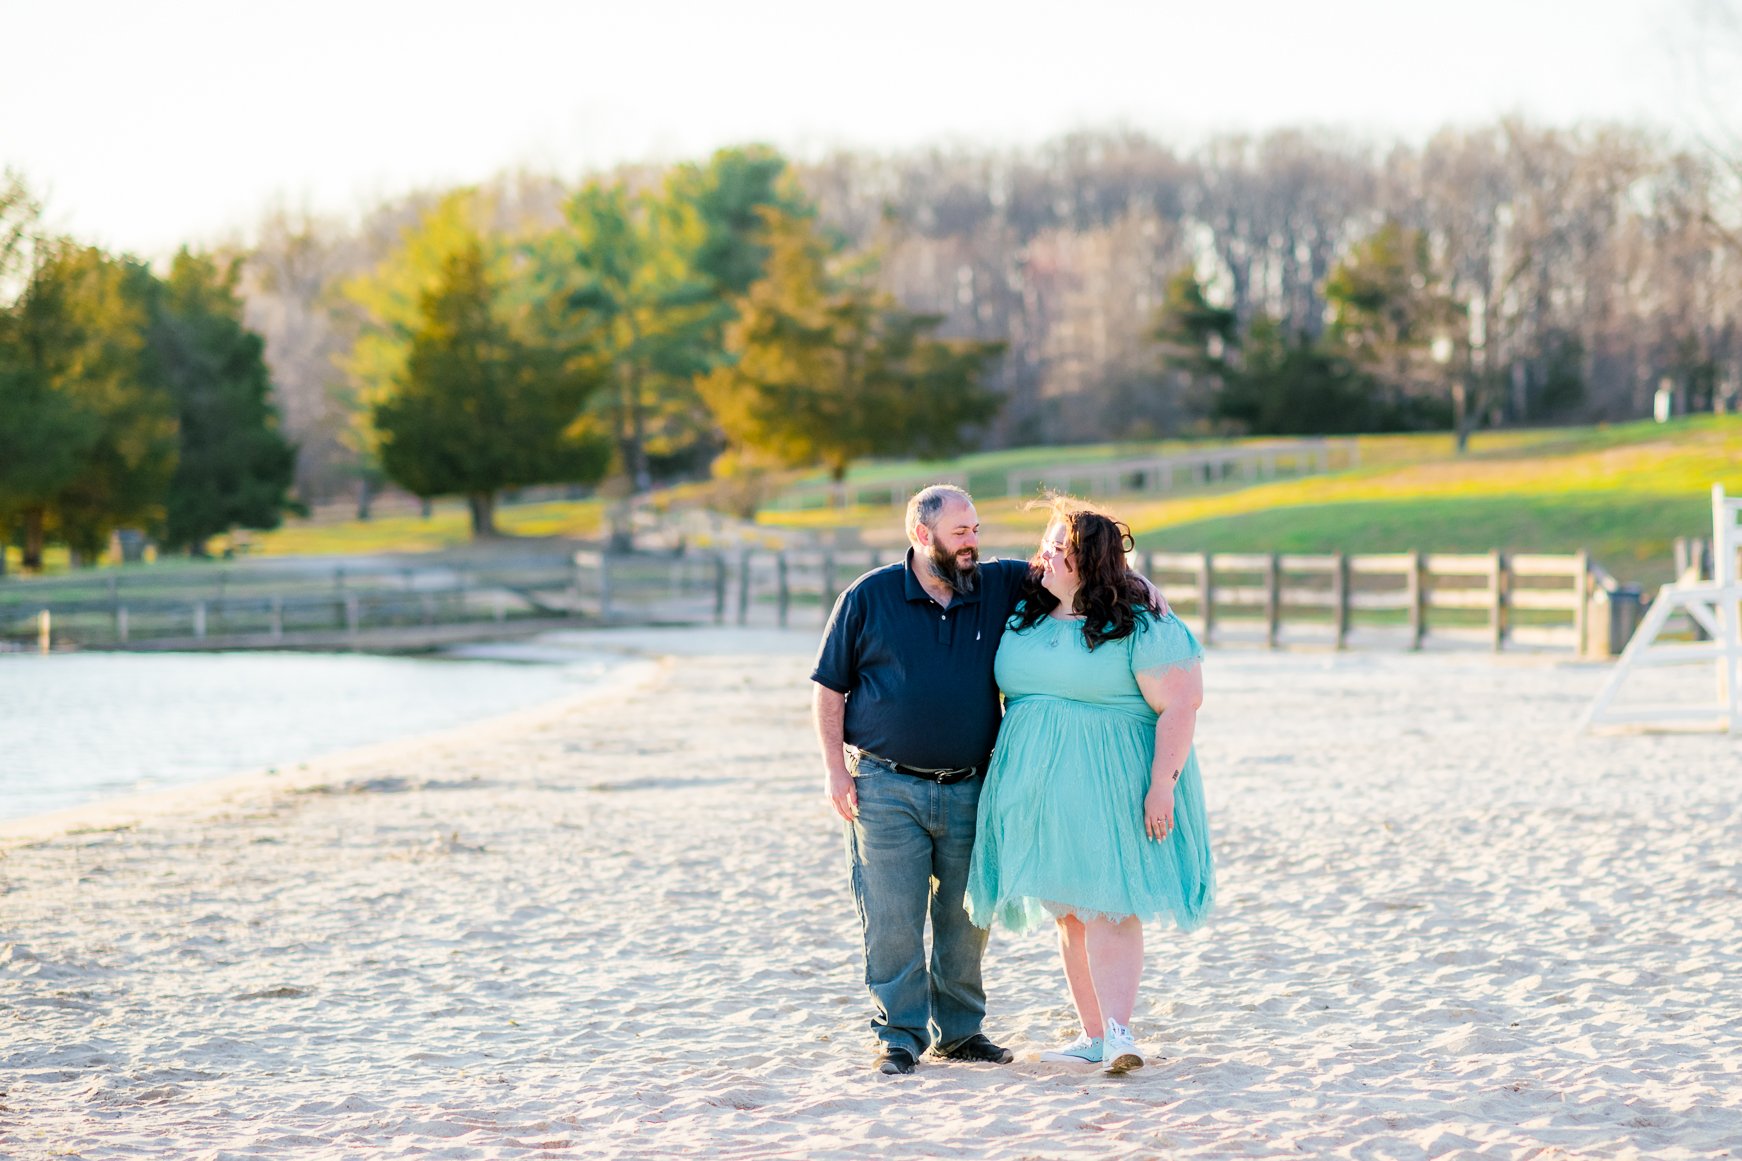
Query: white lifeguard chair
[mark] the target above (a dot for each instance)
(1715, 607)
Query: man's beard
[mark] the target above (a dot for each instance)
(944, 567)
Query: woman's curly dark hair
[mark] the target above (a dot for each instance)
(1109, 594)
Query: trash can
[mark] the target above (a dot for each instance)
(1615, 614)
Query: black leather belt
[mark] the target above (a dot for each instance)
(942, 777)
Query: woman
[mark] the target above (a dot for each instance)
(1093, 810)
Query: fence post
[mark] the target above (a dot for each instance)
(744, 587)
(1340, 592)
(44, 631)
(1417, 590)
(1207, 597)
(719, 588)
(1273, 602)
(1497, 578)
(829, 594)
(200, 619)
(785, 594)
(277, 617)
(1581, 599)
(121, 629)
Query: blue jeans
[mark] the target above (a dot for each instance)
(909, 851)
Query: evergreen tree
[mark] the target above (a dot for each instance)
(828, 370)
(477, 409)
(1288, 385)
(234, 468)
(730, 195)
(1391, 318)
(385, 306)
(1195, 337)
(620, 293)
(94, 439)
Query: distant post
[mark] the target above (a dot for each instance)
(1497, 598)
(1340, 598)
(784, 592)
(828, 570)
(1273, 601)
(44, 631)
(1581, 600)
(1417, 594)
(744, 587)
(1207, 596)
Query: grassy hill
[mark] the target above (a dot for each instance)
(1623, 491)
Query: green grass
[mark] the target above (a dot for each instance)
(1623, 491)
(448, 526)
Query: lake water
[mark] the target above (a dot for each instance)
(79, 727)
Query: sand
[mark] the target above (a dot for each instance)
(621, 927)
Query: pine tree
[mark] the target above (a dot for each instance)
(477, 409)
(234, 468)
(827, 370)
(91, 432)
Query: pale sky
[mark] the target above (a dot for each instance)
(146, 125)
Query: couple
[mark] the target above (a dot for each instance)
(1091, 811)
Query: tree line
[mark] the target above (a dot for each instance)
(658, 323)
(1295, 281)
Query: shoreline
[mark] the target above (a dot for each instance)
(642, 647)
(624, 930)
(246, 786)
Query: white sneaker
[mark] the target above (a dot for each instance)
(1085, 1049)
(1119, 1053)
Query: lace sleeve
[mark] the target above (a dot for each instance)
(1161, 644)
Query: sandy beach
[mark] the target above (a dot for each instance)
(620, 926)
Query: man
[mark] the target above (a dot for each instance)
(904, 691)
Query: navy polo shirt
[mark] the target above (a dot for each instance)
(918, 675)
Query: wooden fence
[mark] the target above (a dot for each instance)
(1494, 599)
(264, 605)
(1407, 600)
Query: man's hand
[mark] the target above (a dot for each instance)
(1155, 595)
(828, 711)
(843, 794)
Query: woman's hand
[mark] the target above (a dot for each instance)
(1158, 810)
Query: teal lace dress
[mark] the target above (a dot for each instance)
(1061, 814)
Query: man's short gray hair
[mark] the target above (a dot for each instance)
(929, 501)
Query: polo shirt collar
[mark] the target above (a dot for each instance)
(916, 591)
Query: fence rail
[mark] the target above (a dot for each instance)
(1499, 600)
